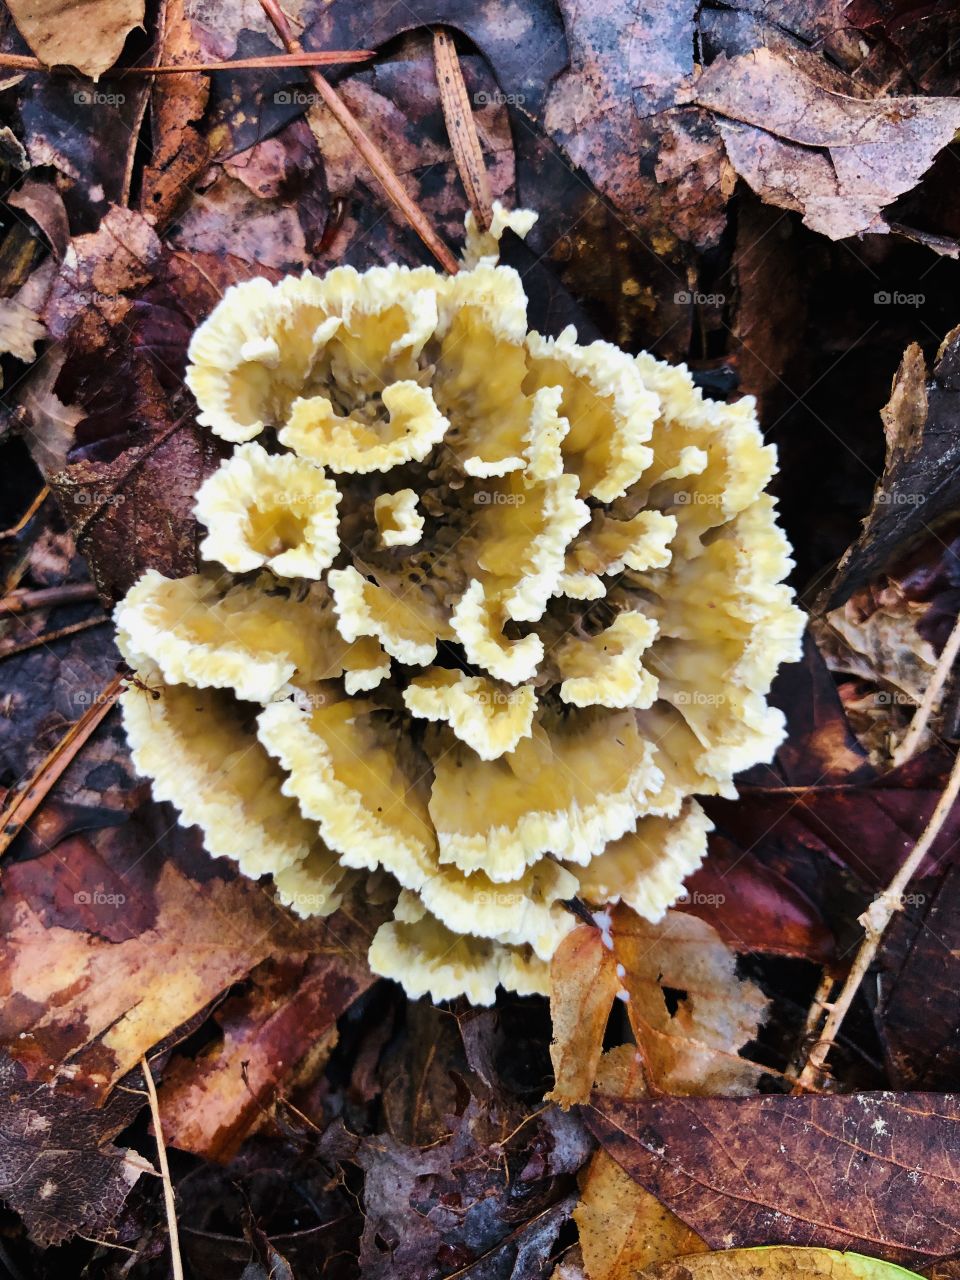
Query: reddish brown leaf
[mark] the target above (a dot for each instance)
(276, 1035)
(858, 1172)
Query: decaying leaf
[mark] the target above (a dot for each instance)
(622, 1226)
(92, 44)
(692, 1049)
(918, 987)
(801, 145)
(483, 1198)
(114, 939)
(853, 1172)
(584, 985)
(774, 1263)
(276, 1035)
(177, 104)
(58, 1166)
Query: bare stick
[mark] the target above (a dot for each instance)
(47, 597)
(377, 161)
(931, 696)
(875, 920)
(28, 515)
(20, 62)
(168, 1200)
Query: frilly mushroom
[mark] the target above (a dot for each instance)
(532, 608)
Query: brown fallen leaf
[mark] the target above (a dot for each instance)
(622, 1226)
(114, 939)
(859, 1171)
(58, 1166)
(584, 985)
(277, 1034)
(613, 113)
(91, 44)
(693, 1048)
(491, 1198)
(837, 159)
(177, 104)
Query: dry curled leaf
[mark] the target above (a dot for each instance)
(90, 41)
(692, 1049)
(837, 159)
(584, 984)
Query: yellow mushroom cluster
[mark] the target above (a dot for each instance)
(481, 614)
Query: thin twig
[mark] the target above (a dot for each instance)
(26, 802)
(462, 128)
(28, 515)
(168, 1200)
(47, 597)
(818, 1005)
(875, 920)
(931, 697)
(302, 58)
(377, 161)
(48, 637)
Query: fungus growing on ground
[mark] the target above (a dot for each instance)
(481, 612)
